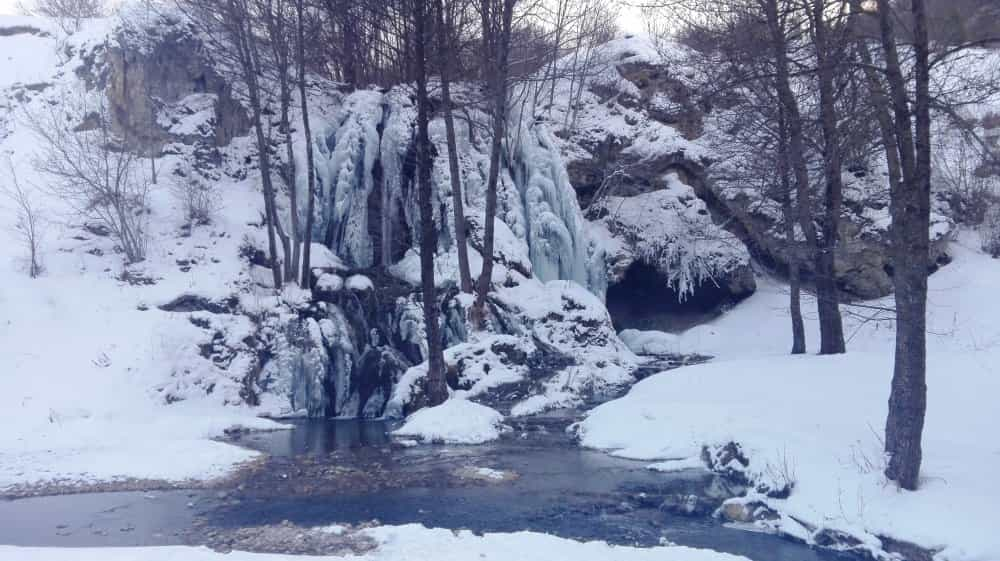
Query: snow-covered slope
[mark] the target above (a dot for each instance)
(816, 422)
(86, 350)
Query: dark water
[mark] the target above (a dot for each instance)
(325, 472)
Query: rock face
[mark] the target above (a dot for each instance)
(157, 76)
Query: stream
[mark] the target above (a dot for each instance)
(351, 472)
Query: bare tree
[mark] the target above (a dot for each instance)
(300, 64)
(29, 223)
(446, 46)
(436, 389)
(93, 169)
(232, 28)
(910, 210)
(277, 19)
(496, 16)
(827, 299)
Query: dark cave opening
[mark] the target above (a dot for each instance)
(644, 300)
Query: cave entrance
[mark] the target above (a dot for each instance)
(644, 300)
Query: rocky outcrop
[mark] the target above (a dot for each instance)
(161, 88)
(650, 125)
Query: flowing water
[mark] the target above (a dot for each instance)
(348, 471)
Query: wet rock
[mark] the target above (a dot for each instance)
(288, 538)
(689, 505)
(746, 512)
(727, 460)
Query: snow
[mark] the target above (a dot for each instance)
(694, 462)
(359, 283)
(329, 282)
(650, 342)
(90, 362)
(456, 421)
(411, 542)
(818, 421)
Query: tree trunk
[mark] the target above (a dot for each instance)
(827, 299)
(446, 48)
(789, 214)
(500, 40)
(436, 389)
(793, 131)
(910, 227)
(307, 132)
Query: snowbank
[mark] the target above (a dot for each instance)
(456, 421)
(401, 543)
(816, 422)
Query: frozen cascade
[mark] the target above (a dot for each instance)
(344, 357)
(344, 166)
(559, 245)
(367, 154)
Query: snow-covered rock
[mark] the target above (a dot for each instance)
(456, 421)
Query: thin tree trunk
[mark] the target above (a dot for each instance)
(445, 50)
(292, 263)
(307, 132)
(501, 42)
(436, 389)
(827, 298)
(793, 122)
(789, 214)
(910, 225)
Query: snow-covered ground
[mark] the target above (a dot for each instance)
(402, 543)
(818, 421)
(88, 358)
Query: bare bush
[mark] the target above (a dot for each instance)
(197, 197)
(960, 175)
(990, 230)
(92, 169)
(29, 223)
(69, 13)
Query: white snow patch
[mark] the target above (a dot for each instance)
(456, 421)
(359, 283)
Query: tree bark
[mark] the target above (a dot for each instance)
(910, 210)
(827, 298)
(446, 47)
(436, 389)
